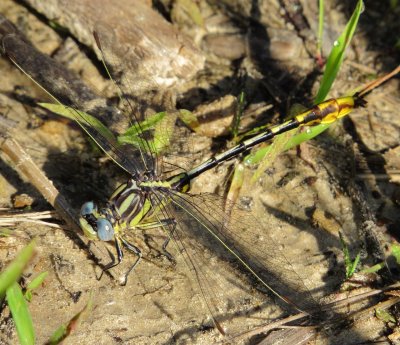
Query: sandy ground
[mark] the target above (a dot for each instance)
(342, 181)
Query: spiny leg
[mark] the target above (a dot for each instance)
(163, 223)
(120, 256)
(119, 241)
(166, 242)
(134, 250)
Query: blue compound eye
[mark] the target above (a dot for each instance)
(88, 208)
(105, 231)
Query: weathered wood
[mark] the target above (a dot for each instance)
(63, 84)
(153, 52)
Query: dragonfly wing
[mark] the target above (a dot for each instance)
(132, 69)
(236, 264)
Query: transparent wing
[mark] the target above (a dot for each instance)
(136, 89)
(144, 75)
(235, 262)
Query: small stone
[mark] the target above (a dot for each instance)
(22, 200)
(227, 46)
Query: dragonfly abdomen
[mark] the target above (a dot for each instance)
(323, 113)
(326, 112)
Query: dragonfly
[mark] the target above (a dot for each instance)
(197, 223)
(134, 200)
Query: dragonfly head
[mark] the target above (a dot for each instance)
(95, 225)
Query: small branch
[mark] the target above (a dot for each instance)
(13, 218)
(24, 164)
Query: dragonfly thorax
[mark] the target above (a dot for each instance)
(148, 175)
(128, 203)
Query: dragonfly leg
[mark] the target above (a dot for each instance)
(168, 222)
(134, 250)
(120, 256)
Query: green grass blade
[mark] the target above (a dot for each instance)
(86, 119)
(396, 252)
(21, 316)
(373, 269)
(163, 132)
(131, 135)
(14, 270)
(277, 146)
(336, 56)
(332, 67)
(34, 284)
(352, 268)
(295, 140)
(241, 100)
(66, 329)
(236, 184)
(189, 119)
(385, 315)
(350, 265)
(162, 127)
(143, 126)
